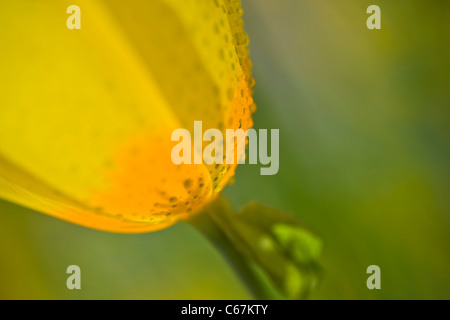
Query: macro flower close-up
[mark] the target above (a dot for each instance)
(224, 149)
(88, 116)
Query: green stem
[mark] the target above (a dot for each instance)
(206, 225)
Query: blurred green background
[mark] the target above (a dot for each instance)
(364, 160)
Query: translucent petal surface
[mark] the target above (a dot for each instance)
(86, 115)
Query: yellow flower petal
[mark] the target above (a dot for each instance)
(86, 115)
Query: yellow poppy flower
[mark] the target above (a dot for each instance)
(86, 115)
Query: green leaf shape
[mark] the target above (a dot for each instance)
(277, 250)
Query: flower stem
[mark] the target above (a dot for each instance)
(205, 223)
